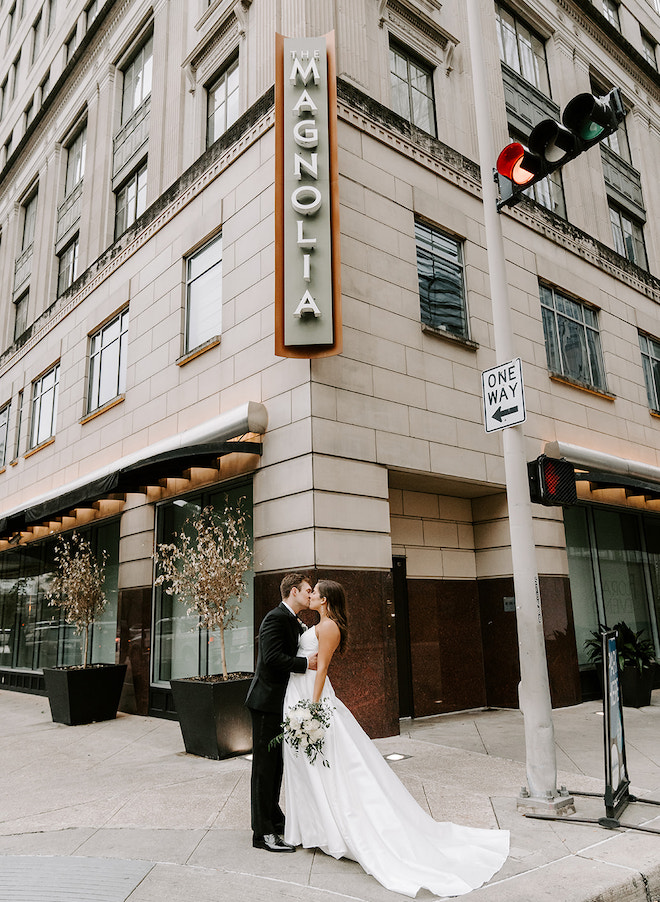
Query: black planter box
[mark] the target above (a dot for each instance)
(213, 718)
(79, 695)
(636, 687)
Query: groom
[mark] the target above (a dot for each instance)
(278, 643)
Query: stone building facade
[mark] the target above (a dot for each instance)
(138, 374)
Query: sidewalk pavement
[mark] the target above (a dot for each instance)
(118, 812)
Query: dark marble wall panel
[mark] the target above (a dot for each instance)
(364, 677)
(500, 642)
(445, 635)
(134, 617)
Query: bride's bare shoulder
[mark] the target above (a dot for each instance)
(327, 629)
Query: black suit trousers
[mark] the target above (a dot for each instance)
(267, 768)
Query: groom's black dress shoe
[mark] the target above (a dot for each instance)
(272, 842)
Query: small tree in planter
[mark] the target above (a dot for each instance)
(205, 568)
(77, 588)
(81, 693)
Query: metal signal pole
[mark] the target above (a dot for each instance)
(534, 691)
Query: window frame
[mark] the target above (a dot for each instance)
(67, 266)
(5, 413)
(540, 82)
(650, 351)
(75, 166)
(410, 57)
(222, 79)
(21, 312)
(556, 350)
(37, 437)
(431, 314)
(197, 279)
(100, 357)
(611, 12)
(30, 206)
(138, 177)
(626, 244)
(132, 76)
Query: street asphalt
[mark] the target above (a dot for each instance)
(118, 812)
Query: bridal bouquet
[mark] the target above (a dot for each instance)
(304, 728)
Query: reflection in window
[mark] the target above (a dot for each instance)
(204, 294)
(181, 649)
(137, 81)
(412, 89)
(572, 339)
(107, 362)
(222, 103)
(75, 161)
(521, 49)
(34, 635)
(628, 237)
(650, 349)
(441, 280)
(611, 13)
(67, 266)
(44, 406)
(21, 314)
(131, 200)
(4, 427)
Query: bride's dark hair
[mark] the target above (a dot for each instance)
(336, 600)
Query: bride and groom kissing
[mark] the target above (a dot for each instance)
(347, 802)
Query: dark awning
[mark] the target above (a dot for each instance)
(197, 447)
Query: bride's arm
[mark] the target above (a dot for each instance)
(329, 636)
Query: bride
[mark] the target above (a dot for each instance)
(356, 807)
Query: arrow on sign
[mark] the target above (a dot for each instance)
(500, 414)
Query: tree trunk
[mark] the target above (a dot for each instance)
(86, 650)
(223, 656)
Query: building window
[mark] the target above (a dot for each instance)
(628, 236)
(4, 98)
(521, 49)
(649, 48)
(204, 294)
(650, 349)
(51, 15)
(70, 45)
(36, 38)
(45, 86)
(107, 362)
(29, 113)
(67, 267)
(91, 11)
(29, 220)
(75, 161)
(137, 81)
(441, 280)
(4, 427)
(131, 200)
(44, 406)
(14, 73)
(12, 24)
(222, 110)
(611, 13)
(412, 89)
(20, 315)
(572, 339)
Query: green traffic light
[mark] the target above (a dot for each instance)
(590, 130)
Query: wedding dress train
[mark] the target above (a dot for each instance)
(357, 808)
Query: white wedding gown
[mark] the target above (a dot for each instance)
(357, 808)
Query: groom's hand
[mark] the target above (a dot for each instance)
(311, 661)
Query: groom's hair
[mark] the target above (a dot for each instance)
(292, 581)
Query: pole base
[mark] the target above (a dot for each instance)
(560, 804)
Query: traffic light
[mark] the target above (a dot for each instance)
(586, 121)
(551, 481)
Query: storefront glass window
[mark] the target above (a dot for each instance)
(33, 634)
(613, 570)
(181, 649)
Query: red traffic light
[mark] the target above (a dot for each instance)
(518, 165)
(551, 481)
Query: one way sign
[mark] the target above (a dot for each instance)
(504, 395)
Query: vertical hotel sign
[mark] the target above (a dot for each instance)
(308, 292)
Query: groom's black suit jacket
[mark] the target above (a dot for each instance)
(276, 659)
